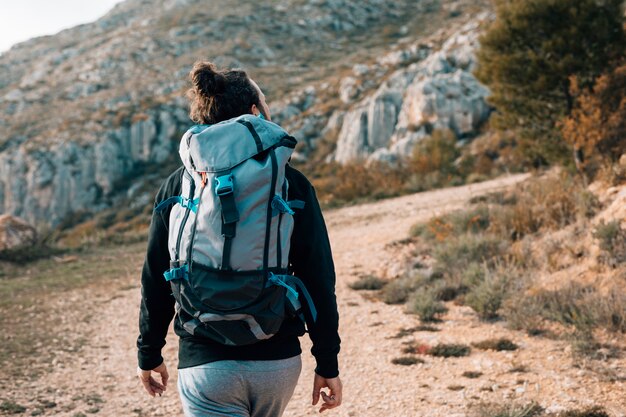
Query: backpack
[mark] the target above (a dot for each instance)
(230, 231)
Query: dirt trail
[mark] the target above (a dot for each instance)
(102, 381)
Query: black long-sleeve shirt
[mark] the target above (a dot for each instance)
(311, 260)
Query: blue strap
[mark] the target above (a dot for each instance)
(296, 204)
(286, 280)
(280, 206)
(292, 294)
(178, 199)
(176, 273)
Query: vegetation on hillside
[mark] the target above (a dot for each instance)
(529, 56)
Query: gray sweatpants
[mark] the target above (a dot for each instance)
(236, 388)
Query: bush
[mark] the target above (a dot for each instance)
(472, 374)
(30, 253)
(487, 297)
(597, 126)
(11, 407)
(507, 410)
(436, 154)
(398, 290)
(368, 282)
(454, 255)
(543, 204)
(582, 307)
(496, 344)
(425, 304)
(612, 241)
(588, 412)
(528, 55)
(351, 183)
(450, 350)
(453, 224)
(407, 360)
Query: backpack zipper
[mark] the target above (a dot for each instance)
(184, 222)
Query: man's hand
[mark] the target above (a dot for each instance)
(150, 384)
(330, 401)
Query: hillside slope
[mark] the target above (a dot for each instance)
(90, 107)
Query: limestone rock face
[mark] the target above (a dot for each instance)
(438, 91)
(15, 232)
(89, 113)
(65, 177)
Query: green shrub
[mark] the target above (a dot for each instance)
(582, 307)
(11, 407)
(612, 242)
(496, 344)
(368, 282)
(587, 412)
(543, 204)
(487, 297)
(473, 275)
(472, 374)
(420, 328)
(436, 154)
(507, 410)
(29, 253)
(425, 304)
(407, 360)
(453, 224)
(454, 255)
(450, 350)
(398, 290)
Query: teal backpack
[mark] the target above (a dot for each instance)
(230, 232)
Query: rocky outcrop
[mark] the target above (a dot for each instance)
(87, 114)
(438, 91)
(15, 232)
(49, 184)
(84, 111)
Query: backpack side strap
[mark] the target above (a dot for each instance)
(224, 189)
(293, 284)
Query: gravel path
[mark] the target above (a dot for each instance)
(102, 380)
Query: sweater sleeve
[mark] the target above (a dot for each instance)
(312, 262)
(157, 303)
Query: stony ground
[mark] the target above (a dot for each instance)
(96, 374)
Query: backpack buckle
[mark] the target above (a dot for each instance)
(224, 185)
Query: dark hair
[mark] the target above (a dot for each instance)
(218, 95)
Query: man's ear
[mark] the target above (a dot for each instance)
(255, 110)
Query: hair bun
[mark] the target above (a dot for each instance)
(207, 80)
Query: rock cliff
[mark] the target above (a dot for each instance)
(92, 109)
(438, 91)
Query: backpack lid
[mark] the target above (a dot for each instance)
(224, 145)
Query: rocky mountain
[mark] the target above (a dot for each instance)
(91, 116)
(437, 92)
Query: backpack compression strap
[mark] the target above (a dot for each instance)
(292, 284)
(224, 189)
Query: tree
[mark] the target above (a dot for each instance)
(596, 128)
(528, 56)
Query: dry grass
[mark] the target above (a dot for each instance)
(425, 304)
(484, 254)
(582, 307)
(398, 290)
(507, 410)
(450, 350)
(39, 290)
(612, 239)
(368, 282)
(472, 374)
(496, 344)
(407, 360)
